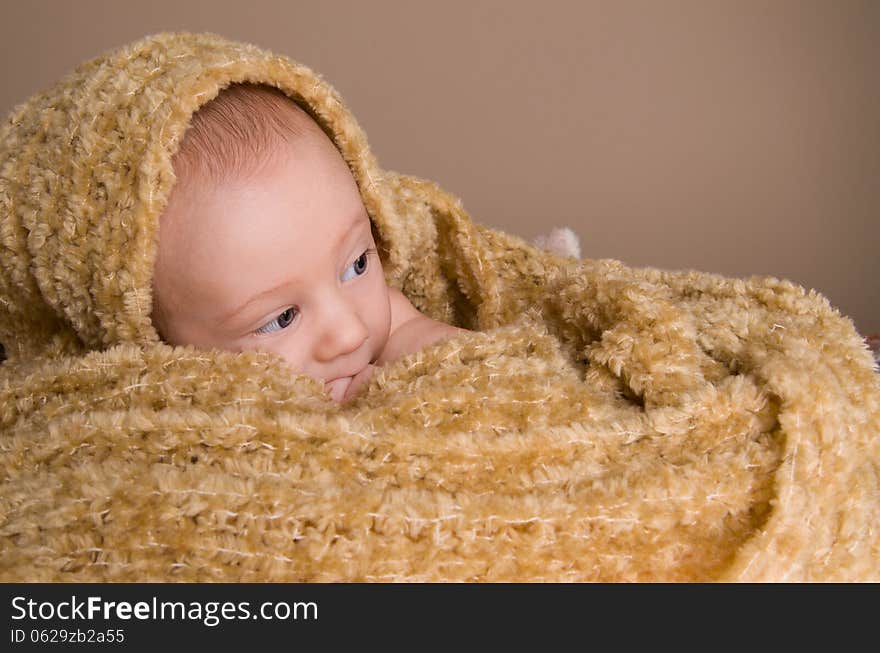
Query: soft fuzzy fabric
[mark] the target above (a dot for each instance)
(602, 423)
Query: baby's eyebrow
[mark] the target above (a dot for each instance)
(253, 299)
(354, 226)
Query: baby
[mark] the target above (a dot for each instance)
(265, 244)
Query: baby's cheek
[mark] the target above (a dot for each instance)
(384, 321)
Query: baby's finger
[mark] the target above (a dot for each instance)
(359, 379)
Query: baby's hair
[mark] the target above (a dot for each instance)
(236, 131)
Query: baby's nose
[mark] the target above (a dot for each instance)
(343, 332)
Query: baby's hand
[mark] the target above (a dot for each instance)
(344, 388)
(358, 380)
(411, 337)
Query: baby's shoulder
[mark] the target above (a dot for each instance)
(411, 330)
(402, 310)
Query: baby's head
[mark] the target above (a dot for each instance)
(265, 242)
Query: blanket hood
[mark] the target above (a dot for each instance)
(86, 171)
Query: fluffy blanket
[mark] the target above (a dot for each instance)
(601, 423)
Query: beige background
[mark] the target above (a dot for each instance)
(738, 137)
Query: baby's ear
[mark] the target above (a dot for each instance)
(561, 240)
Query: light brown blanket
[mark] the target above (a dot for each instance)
(601, 423)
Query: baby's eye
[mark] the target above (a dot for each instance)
(359, 266)
(281, 322)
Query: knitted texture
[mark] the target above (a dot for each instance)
(600, 423)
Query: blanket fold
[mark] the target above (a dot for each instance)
(599, 423)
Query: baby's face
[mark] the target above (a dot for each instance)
(281, 259)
